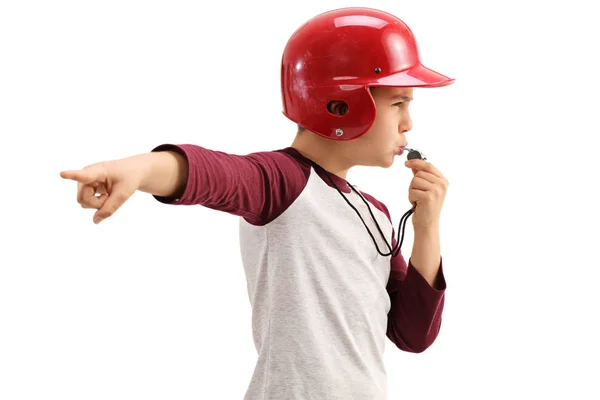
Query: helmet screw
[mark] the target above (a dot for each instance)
(377, 70)
(339, 132)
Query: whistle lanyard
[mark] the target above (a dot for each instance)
(412, 154)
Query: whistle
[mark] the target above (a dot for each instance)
(414, 154)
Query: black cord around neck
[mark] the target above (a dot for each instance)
(401, 226)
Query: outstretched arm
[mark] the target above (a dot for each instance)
(257, 186)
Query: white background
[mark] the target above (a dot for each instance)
(152, 303)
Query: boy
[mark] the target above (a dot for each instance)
(326, 285)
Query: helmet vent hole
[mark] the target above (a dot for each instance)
(337, 107)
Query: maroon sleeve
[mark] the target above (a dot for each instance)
(415, 315)
(258, 186)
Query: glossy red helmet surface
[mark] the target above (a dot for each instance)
(338, 55)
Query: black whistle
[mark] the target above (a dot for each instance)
(415, 154)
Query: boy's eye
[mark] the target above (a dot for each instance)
(399, 103)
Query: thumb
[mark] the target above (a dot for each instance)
(408, 165)
(119, 195)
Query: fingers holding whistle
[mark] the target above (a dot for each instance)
(427, 190)
(424, 168)
(418, 163)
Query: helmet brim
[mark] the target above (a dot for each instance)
(417, 76)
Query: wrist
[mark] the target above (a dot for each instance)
(428, 229)
(160, 173)
(138, 169)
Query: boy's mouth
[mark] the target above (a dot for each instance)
(400, 150)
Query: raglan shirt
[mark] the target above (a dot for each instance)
(323, 299)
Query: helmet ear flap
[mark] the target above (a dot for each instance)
(348, 115)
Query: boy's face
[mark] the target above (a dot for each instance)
(382, 142)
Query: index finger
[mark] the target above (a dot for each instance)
(80, 175)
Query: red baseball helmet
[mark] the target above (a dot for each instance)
(338, 55)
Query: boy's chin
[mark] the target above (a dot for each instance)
(387, 162)
(381, 163)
